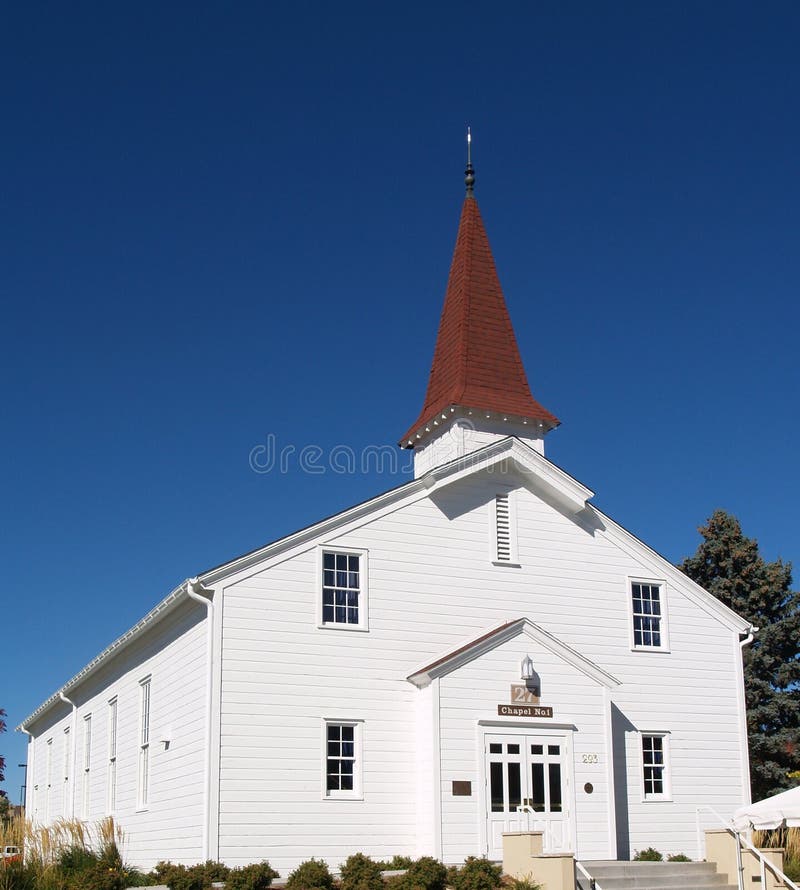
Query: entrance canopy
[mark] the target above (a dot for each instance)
(774, 812)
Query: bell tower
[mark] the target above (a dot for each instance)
(477, 389)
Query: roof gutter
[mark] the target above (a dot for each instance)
(751, 632)
(154, 614)
(204, 595)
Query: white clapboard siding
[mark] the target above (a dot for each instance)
(433, 585)
(443, 570)
(173, 654)
(464, 696)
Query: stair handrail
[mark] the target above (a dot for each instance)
(593, 885)
(741, 841)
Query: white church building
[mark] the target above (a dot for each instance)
(479, 650)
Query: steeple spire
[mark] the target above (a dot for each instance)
(477, 373)
(469, 173)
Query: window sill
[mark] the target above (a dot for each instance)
(142, 810)
(662, 649)
(332, 625)
(664, 799)
(507, 565)
(343, 797)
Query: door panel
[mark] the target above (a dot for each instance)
(527, 777)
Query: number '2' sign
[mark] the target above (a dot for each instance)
(522, 695)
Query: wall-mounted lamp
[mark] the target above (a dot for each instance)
(526, 669)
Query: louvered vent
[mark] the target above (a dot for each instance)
(503, 528)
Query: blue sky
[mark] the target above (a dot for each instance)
(224, 222)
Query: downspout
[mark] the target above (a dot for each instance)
(751, 632)
(201, 594)
(30, 770)
(74, 747)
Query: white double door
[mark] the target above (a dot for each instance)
(528, 789)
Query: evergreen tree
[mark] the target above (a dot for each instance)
(729, 565)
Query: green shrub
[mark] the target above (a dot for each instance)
(257, 876)
(426, 873)
(98, 877)
(134, 878)
(17, 876)
(478, 874)
(678, 857)
(791, 868)
(452, 875)
(198, 877)
(359, 872)
(179, 877)
(526, 882)
(76, 859)
(313, 874)
(161, 870)
(648, 855)
(396, 863)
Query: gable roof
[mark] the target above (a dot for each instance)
(454, 659)
(533, 467)
(476, 362)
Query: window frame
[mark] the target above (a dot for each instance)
(666, 777)
(357, 792)
(113, 746)
(363, 594)
(48, 781)
(144, 746)
(87, 766)
(67, 772)
(661, 584)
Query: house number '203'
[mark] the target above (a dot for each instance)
(590, 758)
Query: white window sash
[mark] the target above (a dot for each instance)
(363, 590)
(357, 759)
(143, 784)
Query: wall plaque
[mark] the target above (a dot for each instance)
(524, 711)
(462, 789)
(522, 694)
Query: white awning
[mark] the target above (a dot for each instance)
(774, 812)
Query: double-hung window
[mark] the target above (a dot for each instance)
(67, 763)
(112, 755)
(143, 797)
(343, 746)
(87, 764)
(48, 780)
(343, 594)
(648, 613)
(655, 767)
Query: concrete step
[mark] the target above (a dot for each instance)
(619, 875)
(625, 881)
(655, 867)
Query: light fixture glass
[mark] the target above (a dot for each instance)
(526, 669)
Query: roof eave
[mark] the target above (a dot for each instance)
(150, 619)
(422, 429)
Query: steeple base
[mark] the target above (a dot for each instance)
(465, 431)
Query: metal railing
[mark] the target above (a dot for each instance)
(593, 885)
(763, 862)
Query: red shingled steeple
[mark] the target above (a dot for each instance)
(476, 363)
